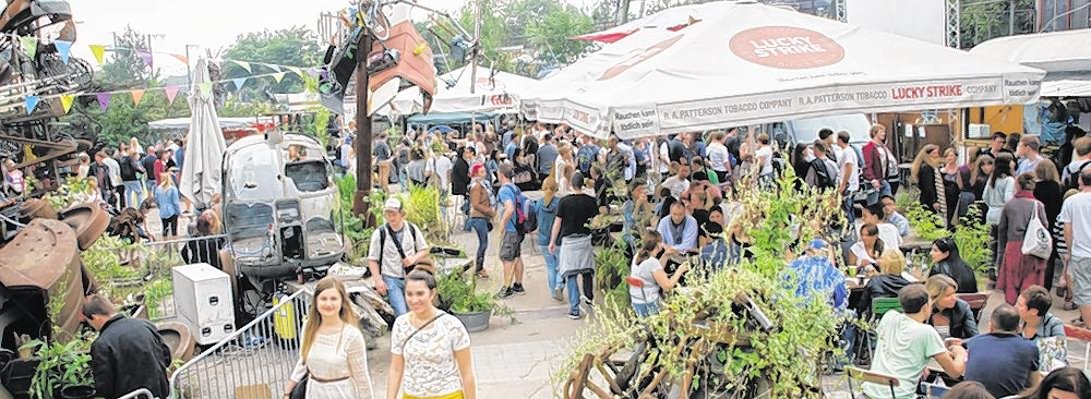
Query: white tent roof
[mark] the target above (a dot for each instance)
(495, 90)
(744, 63)
(1065, 51)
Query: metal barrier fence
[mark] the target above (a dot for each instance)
(139, 394)
(161, 256)
(254, 361)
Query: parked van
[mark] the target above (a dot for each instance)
(806, 130)
(280, 205)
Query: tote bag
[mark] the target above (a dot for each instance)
(1037, 240)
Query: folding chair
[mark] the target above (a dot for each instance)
(863, 376)
(977, 302)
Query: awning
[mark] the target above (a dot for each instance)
(746, 63)
(437, 118)
(1065, 56)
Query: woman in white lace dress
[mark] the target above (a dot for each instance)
(333, 356)
(430, 349)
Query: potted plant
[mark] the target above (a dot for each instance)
(461, 299)
(64, 369)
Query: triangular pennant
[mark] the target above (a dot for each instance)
(30, 45)
(146, 56)
(138, 95)
(244, 65)
(278, 76)
(297, 71)
(99, 51)
(180, 57)
(64, 47)
(239, 82)
(206, 88)
(103, 100)
(31, 103)
(171, 92)
(274, 67)
(66, 102)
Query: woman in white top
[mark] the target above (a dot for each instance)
(563, 167)
(865, 252)
(999, 189)
(430, 349)
(652, 278)
(334, 355)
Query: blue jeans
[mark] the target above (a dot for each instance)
(850, 212)
(395, 292)
(574, 292)
(884, 190)
(551, 267)
(481, 227)
(134, 194)
(646, 309)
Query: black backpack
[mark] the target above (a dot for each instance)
(822, 178)
(1072, 182)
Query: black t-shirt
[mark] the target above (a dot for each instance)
(576, 212)
(733, 144)
(460, 177)
(677, 151)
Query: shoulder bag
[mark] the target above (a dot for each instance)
(1036, 240)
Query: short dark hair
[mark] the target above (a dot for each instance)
(890, 197)
(824, 133)
(819, 146)
(1000, 135)
(913, 298)
(1085, 177)
(876, 209)
(423, 276)
(1037, 298)
(1005, 318)
(548, 137)
(843, 137)
(97, 304)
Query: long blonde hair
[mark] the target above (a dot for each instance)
(310, 329)
(922, 158)
(549, 188)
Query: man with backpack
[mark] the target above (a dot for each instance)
(822, 173)
(1070, 174)
(513, 219)
(397, 248)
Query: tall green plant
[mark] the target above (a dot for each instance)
(61, 364)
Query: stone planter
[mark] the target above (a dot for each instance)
(474, 321)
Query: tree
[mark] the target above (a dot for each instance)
(550, 33)
(126, 68)
(981, 21)
(296, 46)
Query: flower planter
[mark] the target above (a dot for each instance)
(76, 392)
(474, 321)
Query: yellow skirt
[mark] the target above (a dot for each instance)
(453, 395)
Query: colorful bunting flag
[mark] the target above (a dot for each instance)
(103, 100)
(137, 96)
(99, 51)
(171, 92)
(244, 65)
(180, 57)
(274, 67)
(146, 56)
(66, 102)
(31, 103)
(206, 88)
(297, 71)
(64, 47)
(278, 76)
(239, 82)
(30, 45)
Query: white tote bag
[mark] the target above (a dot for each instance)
(1037, 240)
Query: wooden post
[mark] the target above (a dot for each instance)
(361, 199)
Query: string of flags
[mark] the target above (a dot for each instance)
(104, 99)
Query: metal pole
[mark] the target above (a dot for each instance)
(363, 132)
(473, 59)
(1011, 17)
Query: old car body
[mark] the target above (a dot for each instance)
(280, 206)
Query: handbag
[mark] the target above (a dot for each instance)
(1036, 240)
(300, 390)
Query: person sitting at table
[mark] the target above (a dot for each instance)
(816, 275)
(874, 214)
(1002, 360)
(1038, 322)
(869, 248)
(885, 284)
(906, 344)
(951, 316)
(678, 229)
(949, 263)
(890, 208)
(713, 246)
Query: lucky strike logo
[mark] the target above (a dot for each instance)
(786, 47)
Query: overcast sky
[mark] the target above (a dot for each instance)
(207, 23)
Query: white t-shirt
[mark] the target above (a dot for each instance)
(430, 366)
(391, 265)
(1077, 211)
(765, 154)
(440, 166)
(717, 156)
(664, 158)
(848, 157)
(645, 271)
(904, 348)
(676, 185)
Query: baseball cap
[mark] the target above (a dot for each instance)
(817, 244)
(392, 204)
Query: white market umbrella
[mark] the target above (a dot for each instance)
(202, 168)
(743, 63)
(494, 91)
(1064, 55)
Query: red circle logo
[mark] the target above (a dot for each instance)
(786, 47)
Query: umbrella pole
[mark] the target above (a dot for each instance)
(361, 199)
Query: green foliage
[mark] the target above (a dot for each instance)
(103, 259)
(321, 122)
(611, 269)
(549, 34)
(62, 364)
(295, 46)
(972, 239)
(421, 206)
(463, 296)
(984, 20)
(926, 224)
(155, 292)
(73, 191)
(125, 66)
(233, 108)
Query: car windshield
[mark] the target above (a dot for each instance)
(309, 176)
